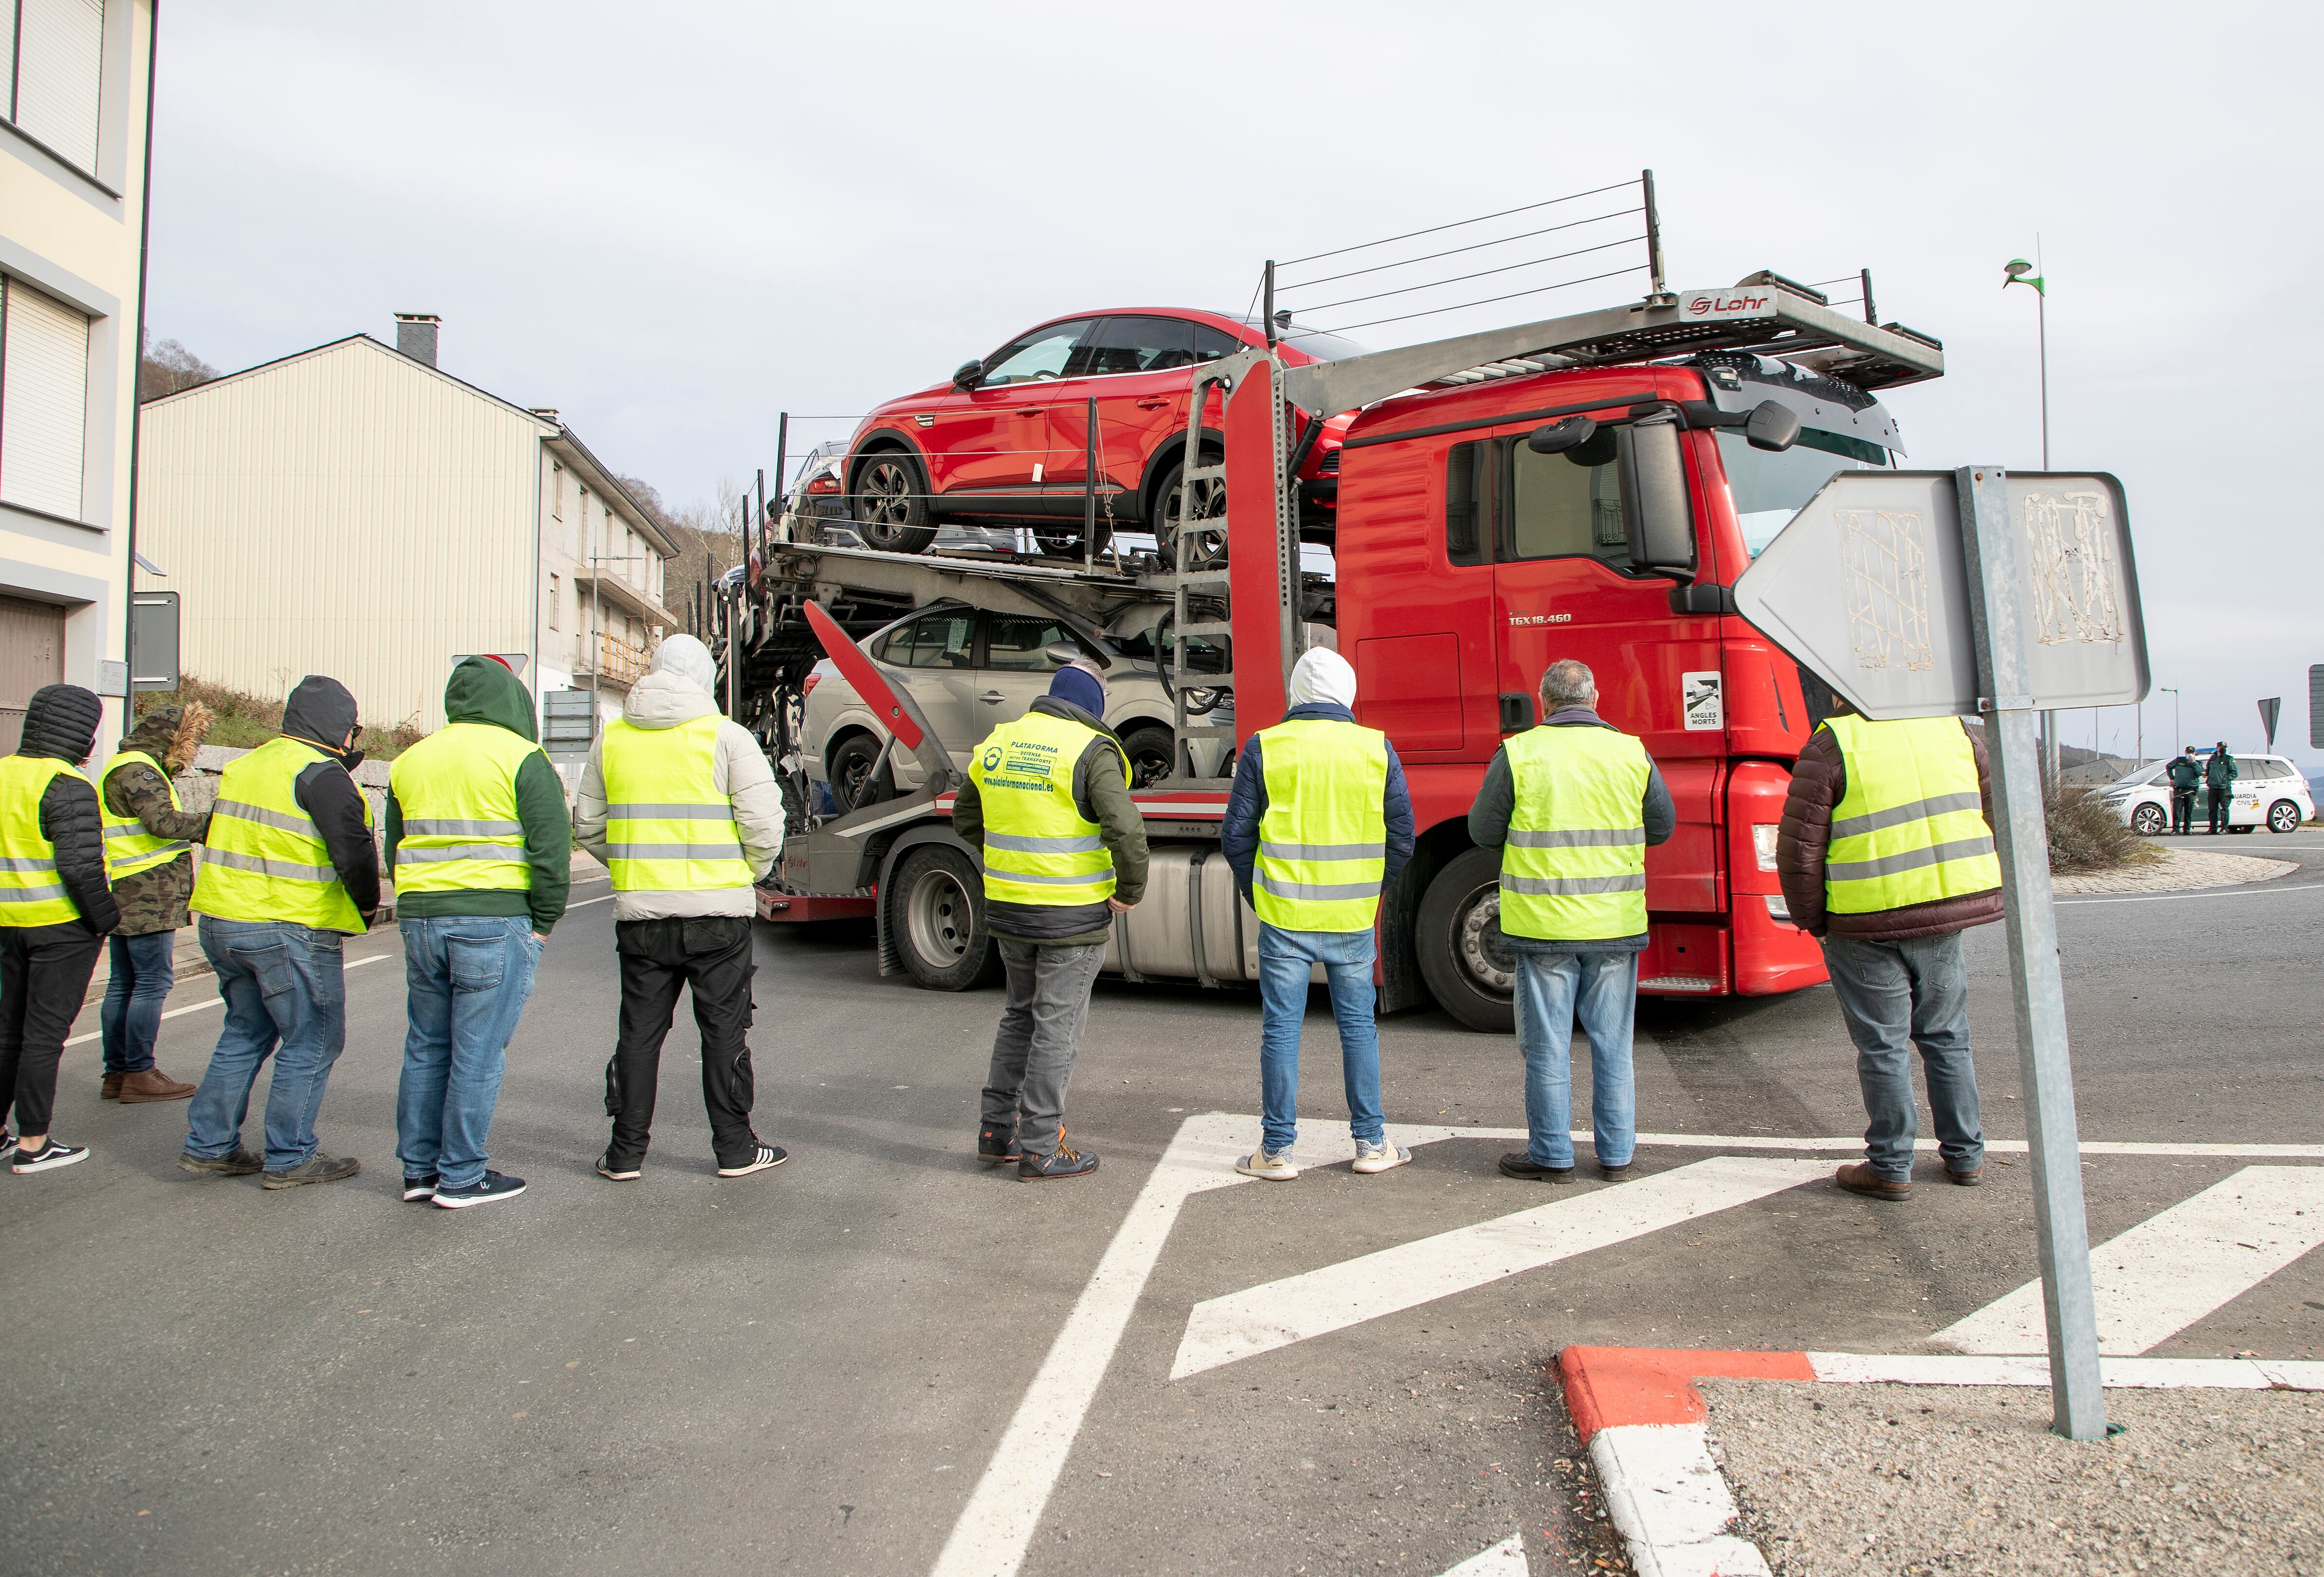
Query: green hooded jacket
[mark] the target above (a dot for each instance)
(482, 690)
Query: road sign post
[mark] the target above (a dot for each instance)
(1934, 594)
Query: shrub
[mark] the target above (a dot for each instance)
(2085, 834)
(244, 720)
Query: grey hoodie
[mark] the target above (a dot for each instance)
(675, 690)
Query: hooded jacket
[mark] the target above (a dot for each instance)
(1247, 803)
(1101, 795)
(322, 712)
(155, 901)
(60, 724)
(675, 690)
(482, 690)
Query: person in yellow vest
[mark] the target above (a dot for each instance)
(481, 851)
(1318, 822)
(1047, 806)
(1886, 855)
(288, 873)
(55, 910)
(1572, 806)
(682, 807)
(149, 838)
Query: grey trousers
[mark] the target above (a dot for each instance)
(1895, 996)
(1041, 1021)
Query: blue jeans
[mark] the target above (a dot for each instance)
(467, 978)
(1914, 992)
(285, 998)
(1285, 961)
(143, 970)
(1601, 989)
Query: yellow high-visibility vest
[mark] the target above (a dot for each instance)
(1038, 847)
(668, 829)
(31, 894)
(1574, 867)
(129, 848)
(457, 792)
(1910, 828)
(265, 859)
(1323, 843)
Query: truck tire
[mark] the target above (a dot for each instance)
(1152, 750)
(936, 914)
(890, 504)
(1457, 935)
(854, 783)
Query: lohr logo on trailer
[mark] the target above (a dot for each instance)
(1700, 304)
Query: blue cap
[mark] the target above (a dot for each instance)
(1081, 687)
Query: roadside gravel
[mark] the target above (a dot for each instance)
(1919, 1479)
(2177, 871)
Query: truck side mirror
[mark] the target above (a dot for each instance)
(1557, 436)
(1772, 426)
(1657, 506)
(969, 375)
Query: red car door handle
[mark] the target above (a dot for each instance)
(1035, 410)
(1152, 404)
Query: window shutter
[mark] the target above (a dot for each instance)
(43, 402)
(62, 62)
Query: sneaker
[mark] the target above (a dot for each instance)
(1274, 1165)
(416, 1189)
(7, 1145)
(1380, 1157)
(1520, 1165)
(241, 1164)
(1062, 1162)
(48, 1158)
(996, 1143)
(607, 1168)
(318, 1167)
(490, 1186)
(764, 1157)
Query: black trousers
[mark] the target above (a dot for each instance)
(44, 973)
(712, 958)
(2182, 810)
(2223, 799)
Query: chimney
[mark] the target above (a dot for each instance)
(547, 413)
(415, 335)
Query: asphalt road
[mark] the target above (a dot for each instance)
(808, 1370)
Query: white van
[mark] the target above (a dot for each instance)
(2269, 792)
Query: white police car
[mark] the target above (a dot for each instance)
(2269, 792)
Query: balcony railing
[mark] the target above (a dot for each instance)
(610, 656)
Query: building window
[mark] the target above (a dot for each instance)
(44, 399)
(554, 599)
(556, 491)
(57, 58)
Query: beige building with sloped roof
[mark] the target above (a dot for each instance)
(356, 511)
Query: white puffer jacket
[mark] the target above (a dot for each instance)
(675, 690)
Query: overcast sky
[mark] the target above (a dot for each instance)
(672, 223)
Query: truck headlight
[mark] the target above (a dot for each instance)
(1762, 843)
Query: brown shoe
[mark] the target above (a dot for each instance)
(111, 1089)
(1859, 1177)
(150, 1084)
(1972, 1178)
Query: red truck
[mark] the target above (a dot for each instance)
(1587, 487)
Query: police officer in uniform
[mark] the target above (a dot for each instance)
(1048, 804)
(2186, 776)
(290, 872)
(482, 850)
(1572, 806)
(1886, 853)
(2219, 774)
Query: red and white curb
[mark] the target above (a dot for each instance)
(1638, 1411)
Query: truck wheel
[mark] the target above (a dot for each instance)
(1152, 749)
(2147, 820)
(1458, 935)
(1208, 544)
(891, 504)
(936, 916)
(2284, 816)
(854, 783)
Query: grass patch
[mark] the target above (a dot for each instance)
(2085, 834)
(244, 720)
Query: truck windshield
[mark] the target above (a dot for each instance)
(1770, 488)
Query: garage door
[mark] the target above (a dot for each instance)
(32, 654)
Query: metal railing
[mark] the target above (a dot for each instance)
(610, 656)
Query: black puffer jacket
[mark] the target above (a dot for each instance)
(61, 724)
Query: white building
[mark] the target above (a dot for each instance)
(74, 107)
(354, 510)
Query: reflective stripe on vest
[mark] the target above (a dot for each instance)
(1574, 867)
(1909, 830)
(265, 859)
(1038, 849)
(1322, 844)
(31, 894)
(668, 829)
(129, 848)
(456, 791)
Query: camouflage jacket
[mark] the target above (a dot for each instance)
(155, 901)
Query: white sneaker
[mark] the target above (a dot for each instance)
(1380, 1157)
(1273, 1165)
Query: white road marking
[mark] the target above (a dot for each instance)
(1922, 1369)
(214, 1001)
(2174, 896)
(1260, 1318)
(2173, 1268)
(1505, 1559)
(585, 902)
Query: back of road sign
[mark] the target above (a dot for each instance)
(1867, 587)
